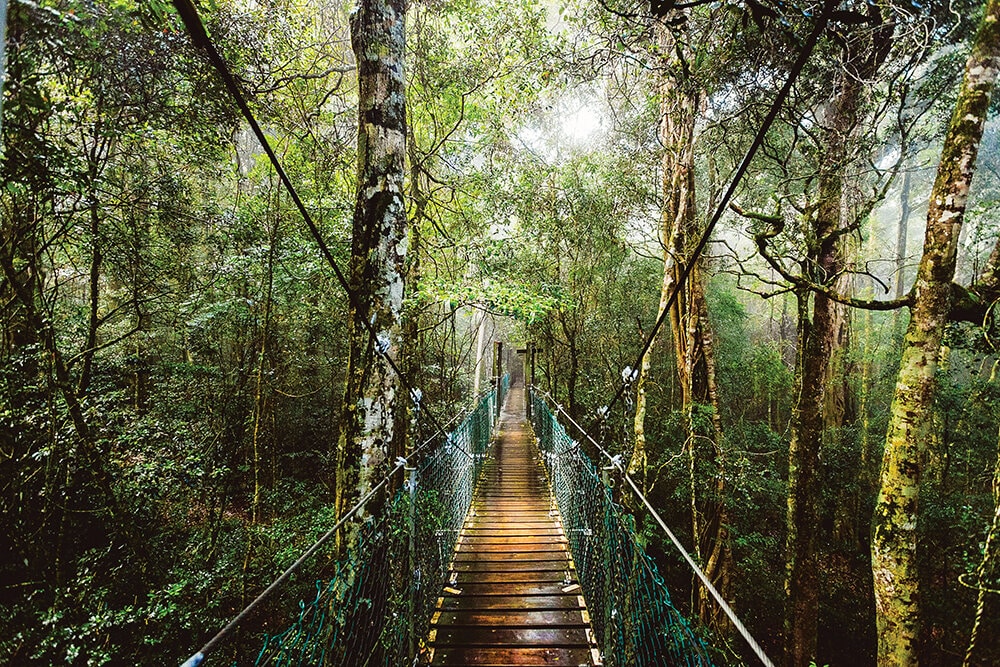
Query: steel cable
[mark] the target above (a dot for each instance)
(616, 461)
(196, 29)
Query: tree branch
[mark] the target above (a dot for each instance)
(777, 225)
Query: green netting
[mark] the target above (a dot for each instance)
(633, 618)
(378, 603)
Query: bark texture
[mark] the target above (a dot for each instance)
(818, 336)
(368, 433)
(822, 398)
(691, 333)
(894, 525)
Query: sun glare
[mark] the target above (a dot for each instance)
(580, 125)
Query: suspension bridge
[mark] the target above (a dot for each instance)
(502, 546)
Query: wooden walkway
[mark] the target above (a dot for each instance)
(513, 596)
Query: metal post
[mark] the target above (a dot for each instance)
(498, 372)
(530, 373)
(414, 575)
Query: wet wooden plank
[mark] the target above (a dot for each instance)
(512, 566)
(498, 549)
(509, 577)
(509, 617)
(537, 534)
(511, 540)
(530, 555)
(491, 657)
(507, 588)
(497, 637)
(536, 516)
(534, 603)
(513, 597)
(510, 526)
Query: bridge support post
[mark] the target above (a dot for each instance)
(532, 350)
(497, 373)
(414, 577)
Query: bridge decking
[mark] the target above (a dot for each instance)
(513, 596)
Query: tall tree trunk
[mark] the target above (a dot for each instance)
(689, 325)
(801, 567)
(822, 399)
(670, 239)
(817, 338)
(895, 521)
(378, 249)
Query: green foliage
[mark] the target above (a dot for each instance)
(525, 302)
(208, 368)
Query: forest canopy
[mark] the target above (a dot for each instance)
(769, 227)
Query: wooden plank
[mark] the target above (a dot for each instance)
(527, 555)
(510, 577)
(511, 602)
(497, 549)
(536, 618)
(501, 588)
(513, 597)
(513, 566)
(537, 516)
(490, 657)
(498, 637)
(512, 540)
(513, 531)
(487, 523)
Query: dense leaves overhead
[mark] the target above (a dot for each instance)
(173, 348)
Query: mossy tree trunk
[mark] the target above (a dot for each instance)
(822, 402)
(368, 429)
(688, 317)
(895, 522)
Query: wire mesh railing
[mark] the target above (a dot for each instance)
(634, 620)
(376, 607)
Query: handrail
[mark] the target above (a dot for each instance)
(616, 462)
(436, 497)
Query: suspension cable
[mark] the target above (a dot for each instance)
(616, 461)
(213, 643)
(401, 463)
(772, 114)
(196, 29)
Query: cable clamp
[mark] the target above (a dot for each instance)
(384, 343)
(194, 660)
